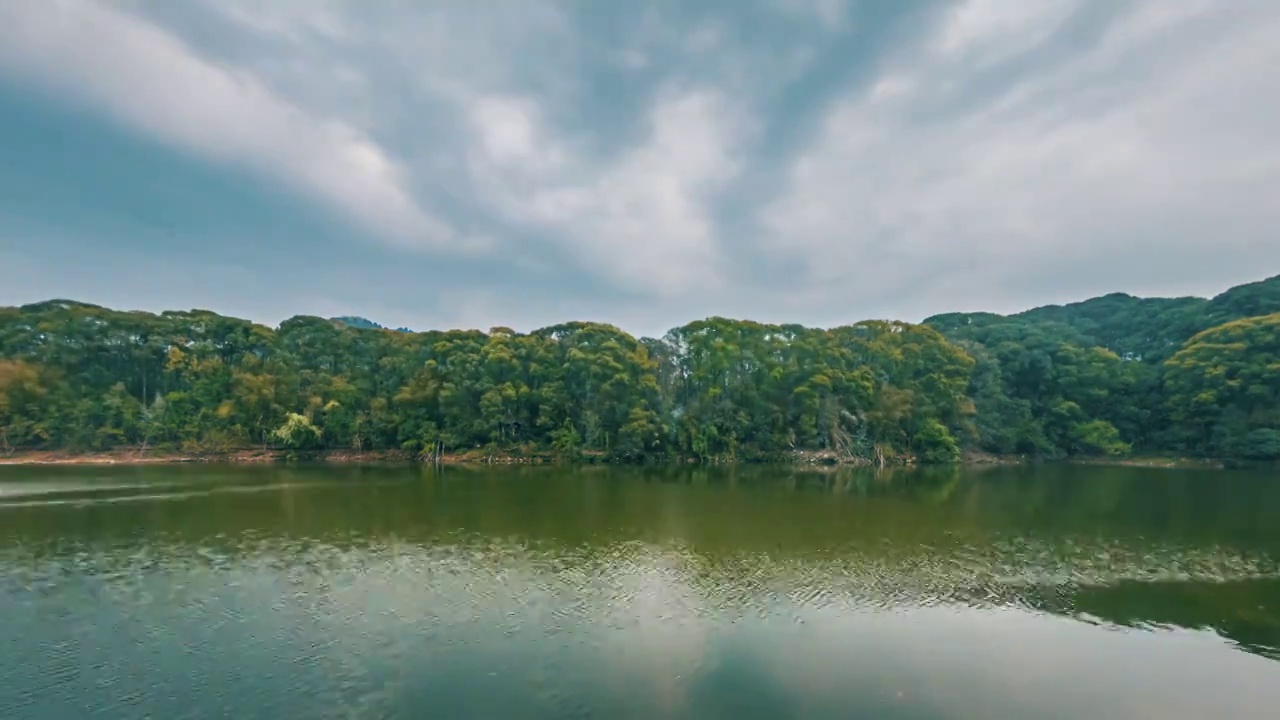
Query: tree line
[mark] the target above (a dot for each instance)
(1105, 377)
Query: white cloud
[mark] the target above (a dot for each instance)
(997, 154)
(1152, 148)
(998, 29)
(149, 79)
(643, 218)
(302, 90)
(509, 133)
(293, 21)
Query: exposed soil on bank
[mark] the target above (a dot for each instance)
(250, 456)
(1155, 462)
(977, 457)
(815, 459)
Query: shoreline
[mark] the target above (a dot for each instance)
(817, 460)
(255, 457)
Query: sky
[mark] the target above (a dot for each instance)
(479, 163)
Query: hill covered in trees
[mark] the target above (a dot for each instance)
(360, 323)
(1107, 376)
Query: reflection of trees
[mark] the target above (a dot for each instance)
(1243, 611)
(1060, 538)
(715, 512)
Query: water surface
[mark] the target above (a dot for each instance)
(319, 592)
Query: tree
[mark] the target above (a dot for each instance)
(1103, 377)
(297, 433)
(1097, 437)
(1224, 384)
(935, 444)
(21, 392)
(1260, 444)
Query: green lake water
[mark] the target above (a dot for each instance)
(345, 592)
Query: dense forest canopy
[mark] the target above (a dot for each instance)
(1107, 376)
(360, 323)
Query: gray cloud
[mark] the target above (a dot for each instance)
(653, 164)
(640, 217)
(1141, 159)
(150, 79)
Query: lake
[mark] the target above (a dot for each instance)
(385, 592)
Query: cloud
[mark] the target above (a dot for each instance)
(638, 215)
(643, 217)
(997, 29)
(149, 79)
(818, 161)
(1002, 157)
(833, 15)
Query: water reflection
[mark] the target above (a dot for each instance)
(269, 592)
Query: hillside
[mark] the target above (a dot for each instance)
(1149, 329)
(1103, 377)
(360, 323)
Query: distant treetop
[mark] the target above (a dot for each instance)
(360, 323)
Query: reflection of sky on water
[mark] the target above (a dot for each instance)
(307, 593)
(504, 627)
(964, 663)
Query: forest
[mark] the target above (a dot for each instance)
(1106, 377)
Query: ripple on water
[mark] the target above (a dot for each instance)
(365, 626)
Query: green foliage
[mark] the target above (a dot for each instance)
(1144, 329)
(363, 323)
(1158, 371)
(1224, 384)
(1097, 437)
(935, 444)
(297, 433)
(1260, 444)
(566, 442)
(1100, 377)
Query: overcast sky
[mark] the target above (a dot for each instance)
(433, 163)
